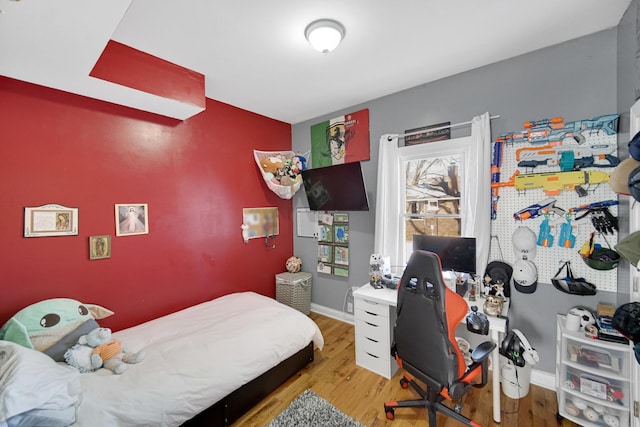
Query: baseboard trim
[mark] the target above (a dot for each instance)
(540, 378)
(332, 313)
(543, 379)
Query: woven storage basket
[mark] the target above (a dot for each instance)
(283, 191)
(294, 290)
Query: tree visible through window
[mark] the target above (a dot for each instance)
(432, 197)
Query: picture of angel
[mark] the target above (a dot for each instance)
(132, 219)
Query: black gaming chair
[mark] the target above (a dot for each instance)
(425, 344)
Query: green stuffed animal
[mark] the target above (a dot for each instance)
(97, 349)
(52, 326)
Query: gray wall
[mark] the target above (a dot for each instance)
(575, 80)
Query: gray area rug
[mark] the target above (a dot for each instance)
(310, 410)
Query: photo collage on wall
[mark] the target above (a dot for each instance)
(333, 244)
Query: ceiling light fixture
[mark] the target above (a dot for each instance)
(324, 34)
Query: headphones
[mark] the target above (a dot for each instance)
(516, 348)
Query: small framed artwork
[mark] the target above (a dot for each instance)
(342, 272)
(99, 247)
(341, 255)
(325, 233)
(132, 219)
(261, 222)
(324, 253)
(341, 233)
(50, 220)
(324, 268)
(340, 217)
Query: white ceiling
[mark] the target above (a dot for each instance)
(254, 54)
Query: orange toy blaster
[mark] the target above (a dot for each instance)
(554, 182)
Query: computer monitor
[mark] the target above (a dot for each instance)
(456, 253)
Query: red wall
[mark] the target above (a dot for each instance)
(195, 176)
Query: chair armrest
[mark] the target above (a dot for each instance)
(482, 351)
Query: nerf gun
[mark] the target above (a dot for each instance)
(535, 210)
(554, 132)
(566, 239)
(545, 237)
(601, 218)
(568, 157)
(554, 182)
(495, 176)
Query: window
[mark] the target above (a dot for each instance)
(470, 210)
(434, 193)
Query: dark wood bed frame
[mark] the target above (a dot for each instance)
(226, 411)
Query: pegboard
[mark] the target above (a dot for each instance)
(549, 259)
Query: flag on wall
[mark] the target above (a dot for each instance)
(343, 139)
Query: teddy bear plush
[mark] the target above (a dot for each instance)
(97, 349)
(272, 164)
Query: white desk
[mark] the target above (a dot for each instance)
(375, 316)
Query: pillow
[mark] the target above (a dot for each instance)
(56, 351)
(32, 383)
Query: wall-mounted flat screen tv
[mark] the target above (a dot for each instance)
(456, 253)
(336, 188)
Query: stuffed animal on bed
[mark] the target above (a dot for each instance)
(97, 349)
(52, 326)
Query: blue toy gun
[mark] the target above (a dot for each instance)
(545, 238)
(566, 238)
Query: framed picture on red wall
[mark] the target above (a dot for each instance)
(99, 247)
(50, 220)
(132, 219)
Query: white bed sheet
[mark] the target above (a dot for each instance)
(195, 357)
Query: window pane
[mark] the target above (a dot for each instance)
(432, 198)
(433, 185)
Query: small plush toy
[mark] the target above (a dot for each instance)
(271, 164)
(81, 355)
(103, 352)
(299, 163)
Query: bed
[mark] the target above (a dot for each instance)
(205, 365)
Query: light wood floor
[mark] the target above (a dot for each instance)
(359, 393)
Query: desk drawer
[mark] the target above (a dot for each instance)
(372, 318)
(373, 307)
(380, 349)
(379, 333)
(372, 362)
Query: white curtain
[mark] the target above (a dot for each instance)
(388, 240)
(477, 208)
(479, 204)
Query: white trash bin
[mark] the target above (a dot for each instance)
(515, 380)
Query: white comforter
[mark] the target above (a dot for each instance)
(194, 358)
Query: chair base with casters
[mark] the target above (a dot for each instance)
(431, 397)
(425, 345)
